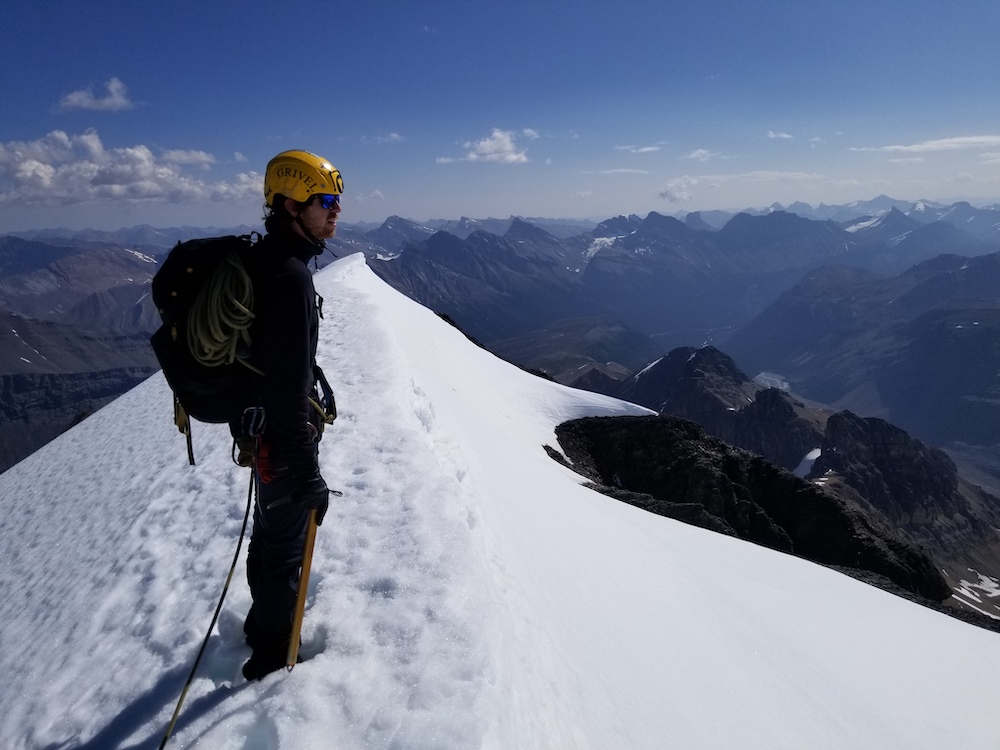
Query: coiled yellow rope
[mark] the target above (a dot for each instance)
(221, 314)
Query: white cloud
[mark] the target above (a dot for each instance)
(498, 147)
(64, 169)
(940, 144)
(391, 138)
(784, 136)
(991, 157)
(531, 133)
(638, 149)
(116, 99)
(197, 158)
(702, 154)
(678, 190)
(244, 185)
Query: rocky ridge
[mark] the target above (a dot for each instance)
(672, 467)
(910, 491)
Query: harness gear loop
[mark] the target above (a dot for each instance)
(252, 424)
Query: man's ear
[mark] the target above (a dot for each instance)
(291, 207)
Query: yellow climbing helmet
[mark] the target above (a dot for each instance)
(299, 175)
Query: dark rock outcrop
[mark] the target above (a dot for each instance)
(673, 462)
(916, 488)
(905, 479)
(902, 486)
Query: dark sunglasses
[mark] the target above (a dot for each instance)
(328, 201)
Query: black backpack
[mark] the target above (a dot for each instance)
(205, 298)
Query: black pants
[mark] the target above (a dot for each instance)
(274, 556)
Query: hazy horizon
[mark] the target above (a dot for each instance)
(681, 214)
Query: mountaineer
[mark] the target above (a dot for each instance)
(302, 202)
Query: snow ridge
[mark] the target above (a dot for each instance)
(467, 590)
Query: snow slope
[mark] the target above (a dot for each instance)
(467, 591)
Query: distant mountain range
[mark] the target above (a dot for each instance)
(981, 222)
(657, 276)
(589, 302)
(921, 348)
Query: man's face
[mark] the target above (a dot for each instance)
(321, 222)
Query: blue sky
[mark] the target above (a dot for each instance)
(118, 112)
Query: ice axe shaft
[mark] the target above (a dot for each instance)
(300, 601)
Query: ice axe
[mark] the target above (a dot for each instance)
(300, 601)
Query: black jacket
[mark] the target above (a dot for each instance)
(283, 338)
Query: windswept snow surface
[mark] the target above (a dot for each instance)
(467, 591)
